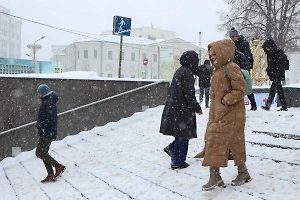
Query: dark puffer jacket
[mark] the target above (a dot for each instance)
(47, 116)
(241, 60)
(277, 60)
(204, 73)
(243, 46)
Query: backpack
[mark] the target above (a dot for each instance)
(285, 62)
(246, 76)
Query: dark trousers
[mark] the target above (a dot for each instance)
(42, 153)
(276, 86)
(180, 151)
(252, 100)
(202, 91)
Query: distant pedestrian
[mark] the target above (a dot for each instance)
(204, 73)
(47, 130)
(277, 64)
(178, 117)
(242, 45)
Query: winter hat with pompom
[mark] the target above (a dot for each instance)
(43, 89)
(233, 33)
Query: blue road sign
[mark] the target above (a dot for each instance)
(121, 26)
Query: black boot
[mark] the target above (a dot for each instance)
(170, 149)
(267, 106)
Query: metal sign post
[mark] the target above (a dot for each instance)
(120, 57)
(121, 26)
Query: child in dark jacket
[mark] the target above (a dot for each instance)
(47, 130)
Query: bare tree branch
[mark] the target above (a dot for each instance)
(264, 19)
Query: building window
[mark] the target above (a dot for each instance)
(78, 54)
(122, 55)
(85, 54)
(109, 75)
(132, 56)
(144, 55)
(154, 57)
(95, 54)
(110, 55)
(132, 76)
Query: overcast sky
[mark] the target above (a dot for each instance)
(186, 18)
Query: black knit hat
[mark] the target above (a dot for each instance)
(233, 32)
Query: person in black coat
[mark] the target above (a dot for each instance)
(178, 117)
(242, 45)
(47, 130)
(241, 60)
(277, 64)
(204, 73)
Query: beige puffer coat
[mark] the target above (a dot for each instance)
(225, 127)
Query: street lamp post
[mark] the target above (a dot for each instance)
(34, 50)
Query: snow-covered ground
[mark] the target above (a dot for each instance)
(125, 160)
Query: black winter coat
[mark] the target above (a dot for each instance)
(178, 117)
(204, 73)
(241, 60)
(276, 62)
(47, 116)
(243, 46)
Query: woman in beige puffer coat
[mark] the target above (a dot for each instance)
(225, 127)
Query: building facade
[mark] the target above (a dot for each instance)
(21, 66)
(140, 58)
(10, 35)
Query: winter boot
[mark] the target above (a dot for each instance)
(59, 170)
(283, 109)
(242, 177)
(215, 180)
(170, 149)
(267, 106)
(50, 177)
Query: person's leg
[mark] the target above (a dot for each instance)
(207, 97)
(42, 153)
(242, 177)
(201, 93)
(180, 152)
(281, 97)
(271, 96)
(252, 101)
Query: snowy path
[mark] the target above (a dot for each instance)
(125, 160)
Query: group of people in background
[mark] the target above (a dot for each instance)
(224, 135)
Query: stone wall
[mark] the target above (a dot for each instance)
(19, 106)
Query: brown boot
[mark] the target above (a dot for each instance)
(215, 180)
(200, 154)
(242, 177)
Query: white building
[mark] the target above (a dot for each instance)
(102, 56)
(10, 35)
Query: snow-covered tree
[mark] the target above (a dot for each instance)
(265, 19)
